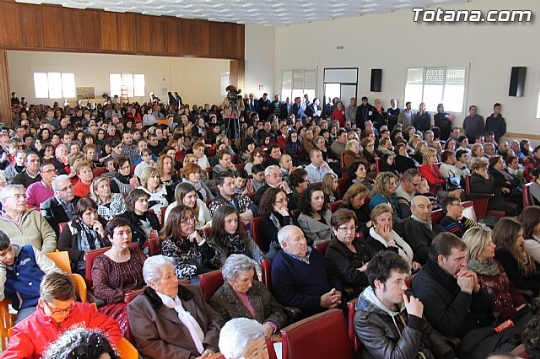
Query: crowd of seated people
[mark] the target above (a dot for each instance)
(118, 173)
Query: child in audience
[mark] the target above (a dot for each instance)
(423, 189)
(21, 272)
(257, 180)
(146, 156)
(242, 183)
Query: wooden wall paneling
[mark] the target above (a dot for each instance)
(53, 30)
(217, 30)
(126, 32)
(152, 35)
(196, 38)
(174, 35)
(229, 41)
(109, 31)
(237, 73)
(32, 25)
(91, 27)
(73, 28)
(10, 30)
(5, 92)
(159, 30)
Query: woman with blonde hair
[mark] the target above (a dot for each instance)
(157, 192)
(185, 194)
(109, 204)
(511, 253)
(352, 153)
(191, 174)
(382, 236)
(430, 171)
(329, 187)
(370, 153)
(491, 275)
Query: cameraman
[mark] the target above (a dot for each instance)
(230, 117)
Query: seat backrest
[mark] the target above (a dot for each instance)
(7, 321)
(321, 247)
(342, 186)
(342, 160)
(96, 172)
(378, 165)
(126, 349)
(266, 273)
(437, 215)
(90, 257)
(255, 226)
(153, 247)
(128, 297)
(467, 184)
(333, 206)
(327, 329)
(527, 195)
(210, 283)
(61, 259)
(61, 227)
(351, 309)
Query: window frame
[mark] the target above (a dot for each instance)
(60, 85)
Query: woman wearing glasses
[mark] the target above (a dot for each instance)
(120, 183)
(256, 157)
(193, 254)
(347, 256)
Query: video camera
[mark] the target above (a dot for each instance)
(233, 94)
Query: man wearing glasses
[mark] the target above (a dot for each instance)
(41, 191)
(57, 311)
(61, 207)
(454, 222)
(406, 191)
(24, 226)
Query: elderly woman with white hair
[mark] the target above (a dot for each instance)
(243, 338)
(170, 320)
(241, 296)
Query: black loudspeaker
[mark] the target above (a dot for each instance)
(517, 81)
(376, 80)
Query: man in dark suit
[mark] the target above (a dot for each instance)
(314, 110)
(61, 207)
(364, 113)
(264, 107)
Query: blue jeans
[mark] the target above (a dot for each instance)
(24, 313)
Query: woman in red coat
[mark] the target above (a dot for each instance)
(430, 171)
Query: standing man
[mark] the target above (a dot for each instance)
(443, 120)
(314, 110)
(496, 123)
(392, 114)
(388, 322)
(364, 113)
(473, 124)
(350, 111)
(406, 117)
(264, 107)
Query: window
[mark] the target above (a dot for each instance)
(433, 85)
(224, 82)
(296, 83)
(538, 106)
(127, 85)
(54, 85)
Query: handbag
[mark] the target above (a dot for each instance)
(453, 182)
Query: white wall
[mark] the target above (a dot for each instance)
(196, 80)
(261, 61)
(393, 42)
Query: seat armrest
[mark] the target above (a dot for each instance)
(93, 299)
(293, 313)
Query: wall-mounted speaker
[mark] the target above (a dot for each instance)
(376, 80)
(517, 81)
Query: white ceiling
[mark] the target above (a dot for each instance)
(256, 12)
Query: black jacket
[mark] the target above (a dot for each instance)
(137, 232)
(54, 213)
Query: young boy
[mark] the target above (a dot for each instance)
(146, 156)
(242, 184)
(258, 177)
(21, 271)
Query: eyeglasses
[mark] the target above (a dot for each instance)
(456, 204)
(50, 171)
(56, 311)
(17, 196)
(186, 220)
(348, 229)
